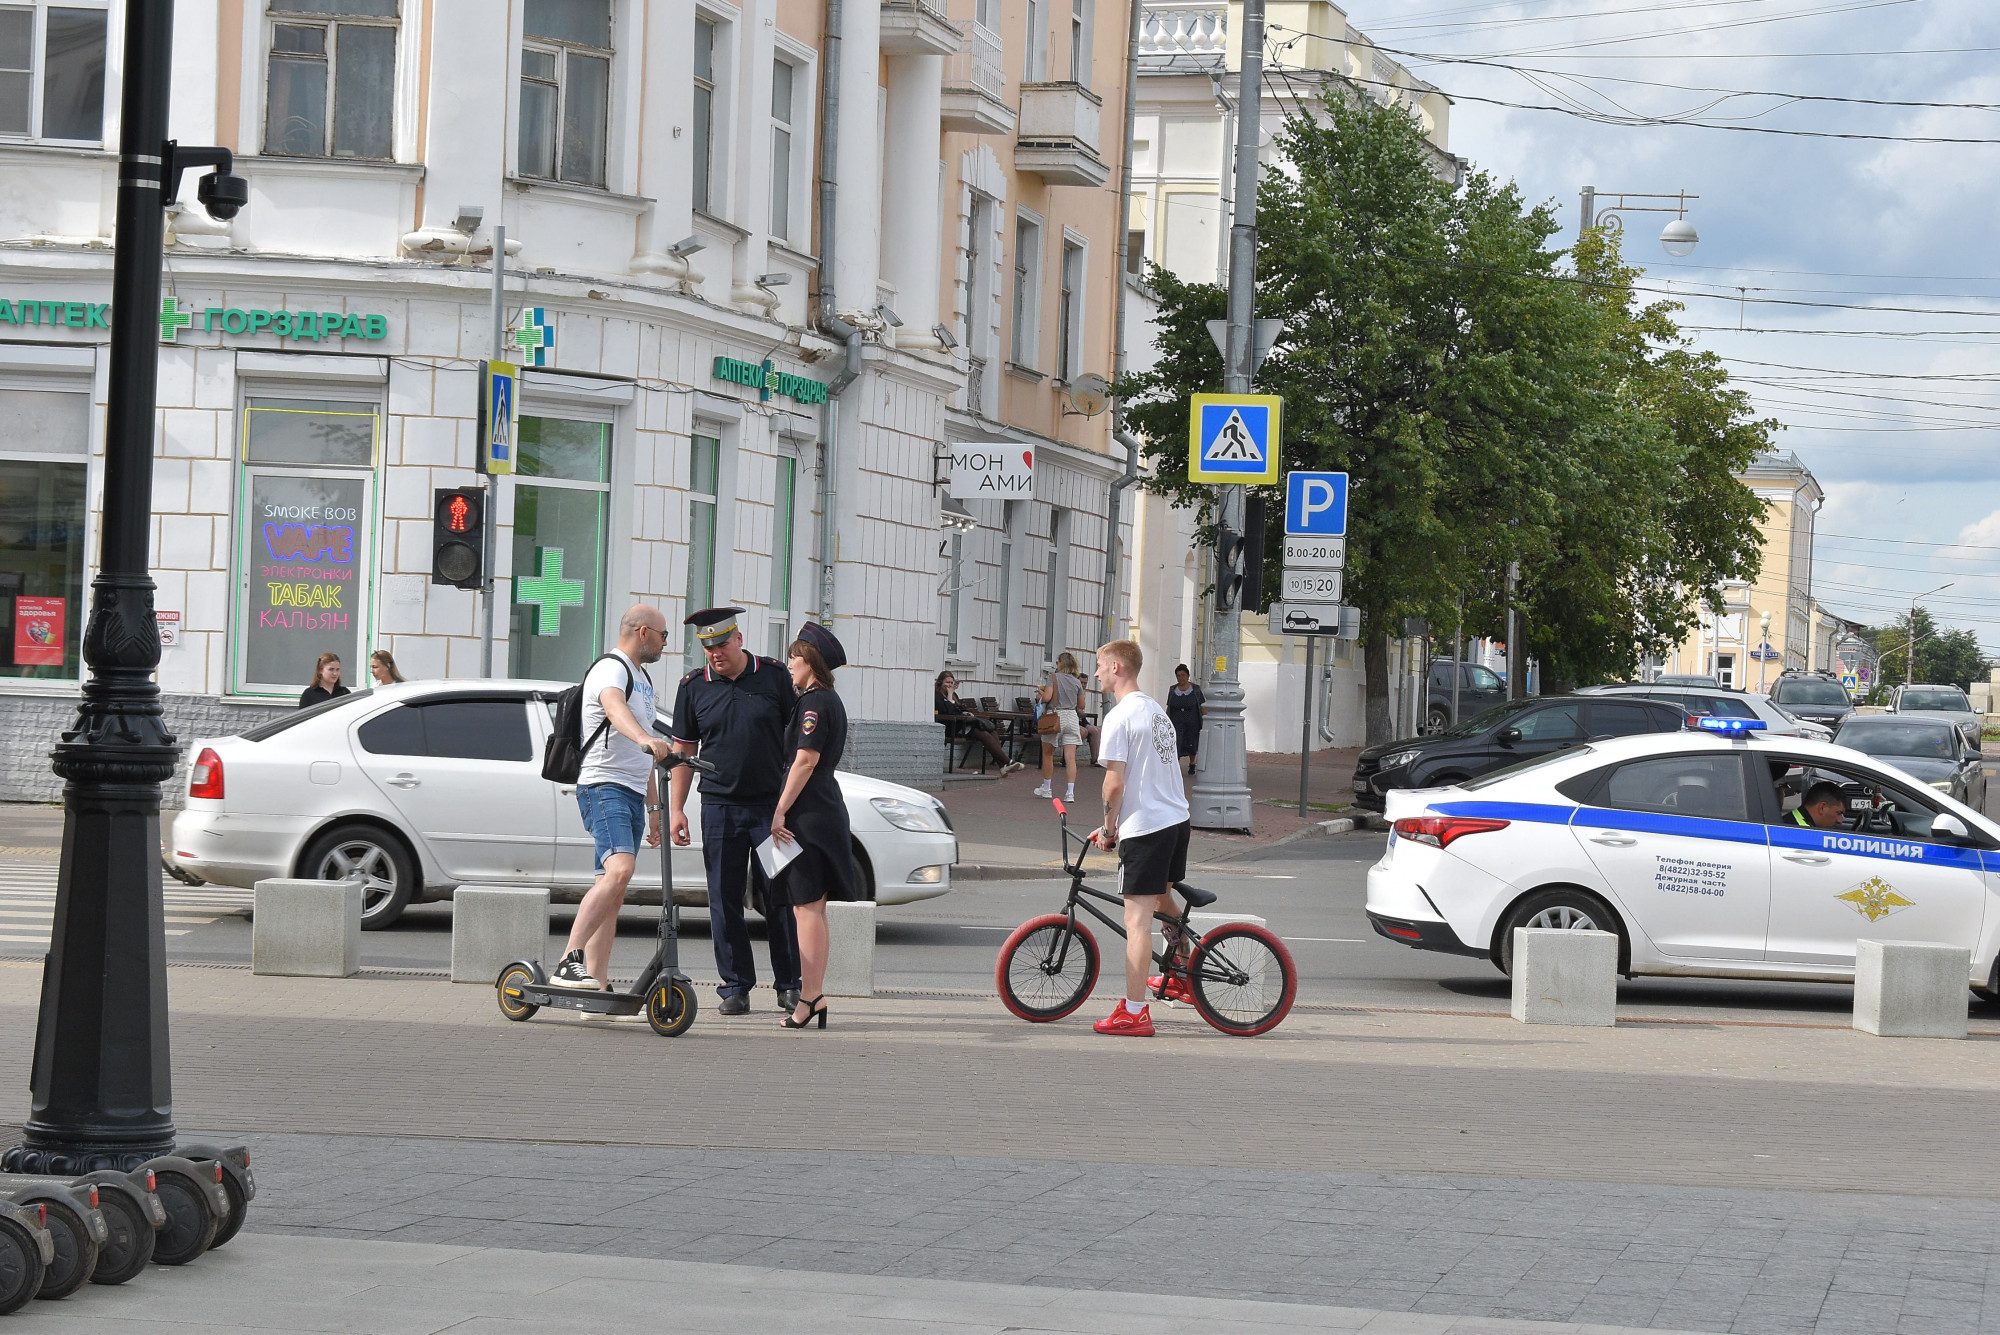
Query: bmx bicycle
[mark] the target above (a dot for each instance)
(1239, 975)
(662, 991)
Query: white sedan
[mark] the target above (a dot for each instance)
(417, 788)
(1687, 846)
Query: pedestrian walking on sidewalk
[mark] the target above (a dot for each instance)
(382, 667)
(1063, 693)
(1145, 819)
(1185, 706)
(617, 789)
(812, 815)
(734, 710)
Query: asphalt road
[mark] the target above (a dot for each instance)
(1311, 892)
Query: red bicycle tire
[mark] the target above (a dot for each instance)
(1013, 943)
(1277, 947)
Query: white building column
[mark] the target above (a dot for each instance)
(912, 217)
(857, 237)
(666, 159)
(466, 138)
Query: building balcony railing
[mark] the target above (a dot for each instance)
(975, 91)
(1059, 134)
(1199, 37)
(914, 28)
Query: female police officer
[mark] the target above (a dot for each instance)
(811, 814)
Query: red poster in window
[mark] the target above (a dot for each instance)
(38, 631)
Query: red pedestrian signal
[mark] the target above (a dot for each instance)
(458, 537)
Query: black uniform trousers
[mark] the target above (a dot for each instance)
(730, 833)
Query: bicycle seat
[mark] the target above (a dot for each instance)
(1197, 899)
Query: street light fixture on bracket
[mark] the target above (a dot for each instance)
(1678, 238)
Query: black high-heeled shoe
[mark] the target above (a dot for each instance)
(817, 1009)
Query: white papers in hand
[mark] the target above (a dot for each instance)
(775, 857)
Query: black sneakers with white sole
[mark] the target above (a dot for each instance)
(571, 973)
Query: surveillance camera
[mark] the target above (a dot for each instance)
(223, 194)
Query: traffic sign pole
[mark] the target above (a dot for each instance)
(1306, 729)
(1220, 798)
(490, 537)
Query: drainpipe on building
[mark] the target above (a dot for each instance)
(1108, 613)
(829, 120)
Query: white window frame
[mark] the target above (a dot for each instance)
(1055, 599)
(38, 39)
(561, 51)
(1069, 346)
(368, 556)
(1082, 13)
(784, 579)
(1013, 516)
(1025, 316)
(1035, 43)
(65, 376)
(721, 121)
(331, 25)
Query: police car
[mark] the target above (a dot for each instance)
(1696, 850)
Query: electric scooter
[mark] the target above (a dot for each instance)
(662, 991)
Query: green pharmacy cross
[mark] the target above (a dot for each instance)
(172, 319)
(549, 593)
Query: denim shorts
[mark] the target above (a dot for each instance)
(615, 817)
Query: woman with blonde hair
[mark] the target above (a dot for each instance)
(1062, 693)
(382, 667)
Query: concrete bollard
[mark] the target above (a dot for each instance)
(492, 925)
(1565, 977)
(1911, 989)
(850, 949)
(306, 929)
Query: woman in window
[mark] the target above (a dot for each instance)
(960, 723)
(1062, 692)
(1185, 706)
(382, 667)
(811, 815)
(325, 683)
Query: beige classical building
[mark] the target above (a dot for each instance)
(1738, 645)
(1182, 172)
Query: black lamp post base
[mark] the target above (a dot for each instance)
(73, 1158)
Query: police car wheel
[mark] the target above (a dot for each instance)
(1562, 908)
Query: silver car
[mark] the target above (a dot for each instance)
(1721, 702)
(1942, 701)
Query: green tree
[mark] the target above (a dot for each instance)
(1943, 657)
(1487, 408)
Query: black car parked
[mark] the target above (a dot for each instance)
(1479, 689)
(1812, 697)
(1518, 730)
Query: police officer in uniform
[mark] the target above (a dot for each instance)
(734, 711)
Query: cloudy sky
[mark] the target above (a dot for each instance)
(1852, 284)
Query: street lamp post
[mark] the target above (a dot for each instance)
(1678, 238)
(1763, 649)
(1220, 796)
(1910, 653)
(101, 1091)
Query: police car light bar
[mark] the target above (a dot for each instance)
(1730, 727)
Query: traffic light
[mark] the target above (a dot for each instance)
(1239, 560)
(1228, 568)
(458, 536)
(1252, 595)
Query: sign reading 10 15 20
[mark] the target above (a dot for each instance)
(1234, 437)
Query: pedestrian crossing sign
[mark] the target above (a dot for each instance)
(1234, 438)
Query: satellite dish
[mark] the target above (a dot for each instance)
(1089, 394)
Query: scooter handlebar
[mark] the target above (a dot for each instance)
(695, 763)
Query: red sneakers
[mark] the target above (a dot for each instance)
(1124, 1022)
(1178, 989)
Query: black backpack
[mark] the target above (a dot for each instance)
(562, 756)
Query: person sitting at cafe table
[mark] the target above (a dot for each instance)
(960, 722)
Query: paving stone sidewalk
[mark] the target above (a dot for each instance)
(1758, 1262)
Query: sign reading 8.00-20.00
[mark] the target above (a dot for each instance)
(303, 557)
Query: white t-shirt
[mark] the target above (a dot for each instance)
(1138, 732)
(616, 758)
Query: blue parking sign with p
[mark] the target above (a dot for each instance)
(1234, 438)
(1315, 505)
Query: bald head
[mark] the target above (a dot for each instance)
(642, 633)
